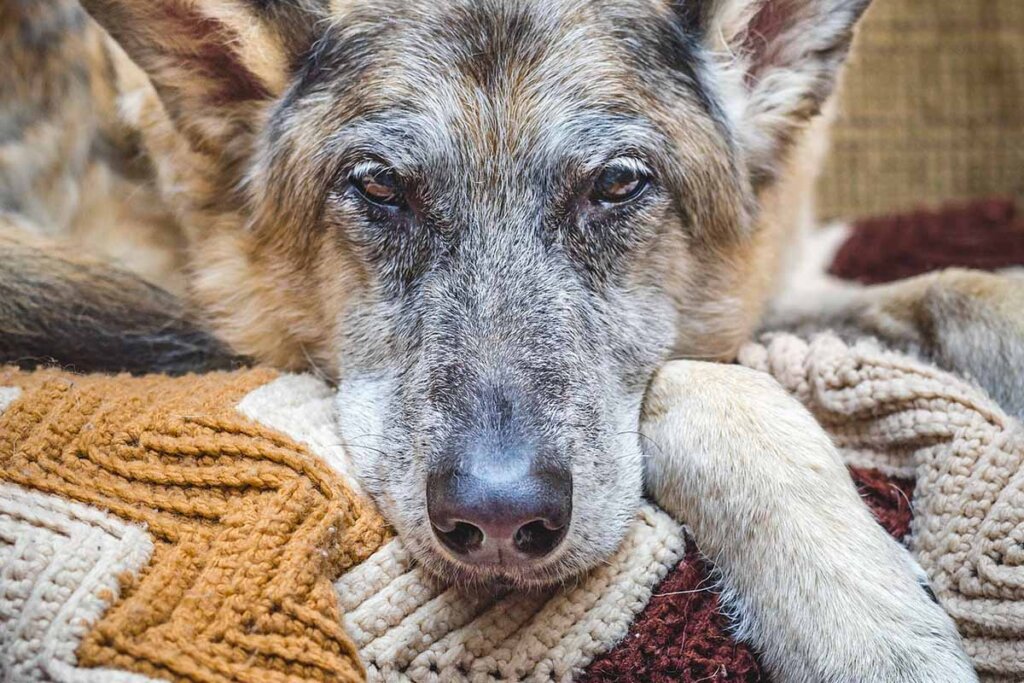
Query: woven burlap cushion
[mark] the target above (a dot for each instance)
(931, 108)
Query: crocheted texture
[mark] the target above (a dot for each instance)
(249, 528)
(889, 498)
(681, 636)
(410, 629)
(986, 234)
(59, 563)
(897, 415)
(302, 407)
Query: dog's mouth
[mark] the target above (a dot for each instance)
(499, 575)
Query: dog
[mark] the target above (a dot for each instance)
(491, 223)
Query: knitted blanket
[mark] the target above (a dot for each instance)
(208, 529)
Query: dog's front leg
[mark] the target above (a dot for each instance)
(815, 584)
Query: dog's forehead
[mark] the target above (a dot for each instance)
(508, 68)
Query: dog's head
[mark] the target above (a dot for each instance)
(490, 220)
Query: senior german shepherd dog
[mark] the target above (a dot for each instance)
(490, 222)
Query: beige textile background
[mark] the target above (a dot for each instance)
(932, 108)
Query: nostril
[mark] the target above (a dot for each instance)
(499, 519)
(536, 539)
(462, 539)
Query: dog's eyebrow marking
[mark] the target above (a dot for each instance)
(629, 163)
(597, 137)
(339, 59)
(402, 139)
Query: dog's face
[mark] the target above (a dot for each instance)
(501, 217)
(518, 187)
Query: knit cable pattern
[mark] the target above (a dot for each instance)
(249, 528)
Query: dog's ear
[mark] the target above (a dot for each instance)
(215, 64)
(778, 61)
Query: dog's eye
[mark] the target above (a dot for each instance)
(620, 182)
(378, 185)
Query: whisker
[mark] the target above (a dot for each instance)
(698, 589)
(661, 451)
(317, 370)
(902, 495)
(378, 436)
(373, 450)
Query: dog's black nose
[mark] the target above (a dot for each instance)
(499, 515)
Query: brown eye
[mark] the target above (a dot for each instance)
(378, 185)
(619, 182)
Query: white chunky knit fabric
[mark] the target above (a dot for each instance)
(901, 416)
(409, 629)
(59, 568)
(8, 395)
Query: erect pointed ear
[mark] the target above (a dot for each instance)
(779, 60)
(214, 63)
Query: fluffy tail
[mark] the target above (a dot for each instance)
(87, 316)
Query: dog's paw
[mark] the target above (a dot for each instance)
(905, 637)
(931, 650)
(911, 658)
(889, 631)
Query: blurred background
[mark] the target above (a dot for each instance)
(931, 109)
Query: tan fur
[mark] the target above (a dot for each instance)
(69, 191)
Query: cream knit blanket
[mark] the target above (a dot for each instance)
(64, 564)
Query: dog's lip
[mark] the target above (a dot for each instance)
(496, 578)
(492, 572)
(491, 557)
